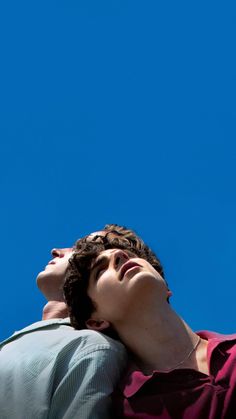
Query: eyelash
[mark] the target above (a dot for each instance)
(98, 273)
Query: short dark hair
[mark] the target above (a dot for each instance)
(87, 249)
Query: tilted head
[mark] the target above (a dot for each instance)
(84, 262)
(51, 280)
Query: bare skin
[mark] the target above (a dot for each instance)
(135, 305)
(54, 310)
(50, 282)
(164, 350)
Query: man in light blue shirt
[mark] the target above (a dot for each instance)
(50, 370)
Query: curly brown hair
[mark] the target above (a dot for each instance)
(87, 249)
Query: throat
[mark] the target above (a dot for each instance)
(194, 358)
(55, 310)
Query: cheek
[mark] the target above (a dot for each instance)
(106, 287)
(61, 269)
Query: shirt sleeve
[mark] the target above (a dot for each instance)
(85, 390)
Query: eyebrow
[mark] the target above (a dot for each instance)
(100, 260)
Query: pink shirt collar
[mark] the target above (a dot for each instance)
(134, 378)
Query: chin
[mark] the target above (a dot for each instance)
(40, 278)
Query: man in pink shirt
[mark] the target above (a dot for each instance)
(173, 372)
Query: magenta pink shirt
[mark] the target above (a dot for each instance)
(183, 393)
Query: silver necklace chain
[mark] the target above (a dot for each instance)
(186, 357)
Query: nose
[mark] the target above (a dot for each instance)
(57, 253)
(120, 257)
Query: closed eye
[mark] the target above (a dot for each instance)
(99, 272)
(102, 263)
(100, 266)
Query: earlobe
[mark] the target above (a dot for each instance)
(98, 325)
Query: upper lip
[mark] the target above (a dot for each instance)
(128, 265)
(51, 262)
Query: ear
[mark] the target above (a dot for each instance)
(98, 325)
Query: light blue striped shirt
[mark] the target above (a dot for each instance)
(51, 371)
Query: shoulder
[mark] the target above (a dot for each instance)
(58, 333)
(90, 341)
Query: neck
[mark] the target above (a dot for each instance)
(55, 309)
(161, 342)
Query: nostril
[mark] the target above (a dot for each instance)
(120, 258)
(117, 261)
(55, 253)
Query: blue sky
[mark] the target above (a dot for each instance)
(122, 112)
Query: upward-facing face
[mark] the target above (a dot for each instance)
(120, 282)
(50, 281)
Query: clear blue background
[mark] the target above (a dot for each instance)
(122, 112)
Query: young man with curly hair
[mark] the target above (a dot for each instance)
(49, 369)
(173, 372)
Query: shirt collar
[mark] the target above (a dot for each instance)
(214, 339)
(134, 379)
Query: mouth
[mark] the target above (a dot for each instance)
(128, 266)
(51, 262)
